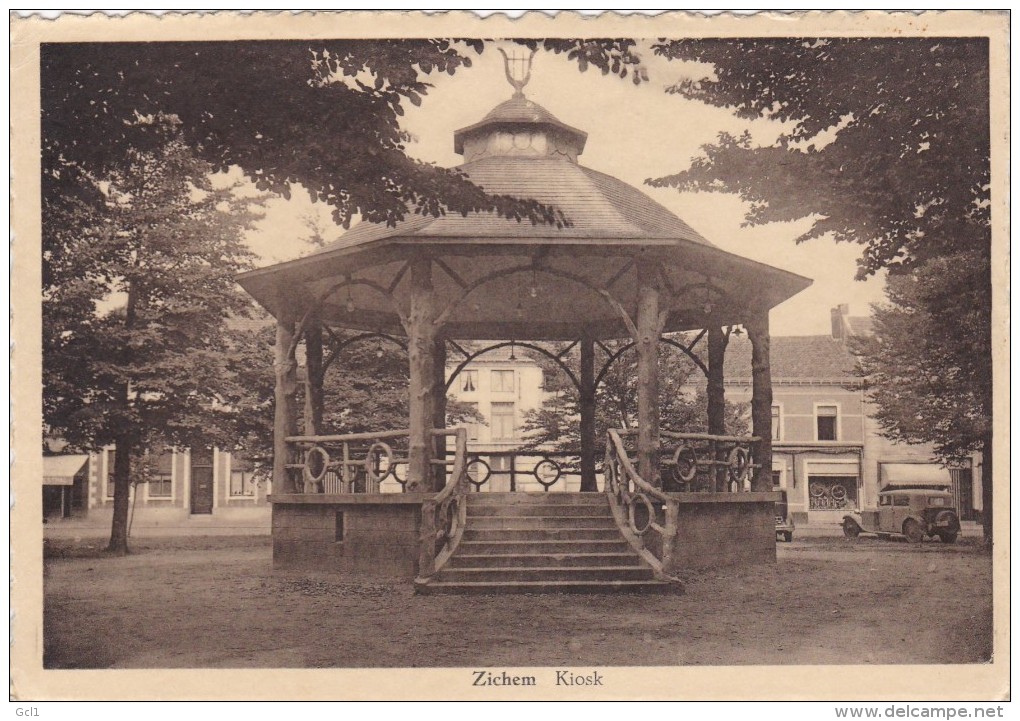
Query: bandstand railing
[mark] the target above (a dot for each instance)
(691, 462)
(444, 516)
(361, 462)
(647, 516)
(522, 470)
(701, 462)
(347, 463)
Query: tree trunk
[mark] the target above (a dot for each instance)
(421, 337)
(123, 440)
(285, 415)
(439, 406)
(648, 372)
(121, 495)
(716, 389)
(587, 408)
(716, 394)
(761, 399)
(987, 508)
(313, 378)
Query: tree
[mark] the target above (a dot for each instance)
(930, 386)
(138, 278)
(885, 144)
(323, 115)
(682, 400)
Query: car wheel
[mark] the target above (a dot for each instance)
(850, 528)
(948, 536)
(913, 531)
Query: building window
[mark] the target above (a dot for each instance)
(503, 381)
(502, 421)
(242, 478)
(776, 424)
(777, 480)
(826, 423)
(158, 473)
(468, 381)
(832, 493)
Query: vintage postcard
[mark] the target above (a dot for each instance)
(384, 355)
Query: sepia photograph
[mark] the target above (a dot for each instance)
(556, 358)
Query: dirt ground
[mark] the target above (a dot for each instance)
(217, 602)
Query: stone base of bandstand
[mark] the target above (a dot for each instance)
(376, 536)
(364, 536)
(725, 529)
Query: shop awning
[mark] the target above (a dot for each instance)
(61, 470)
(928, 475)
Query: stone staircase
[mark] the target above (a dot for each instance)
(542, 543)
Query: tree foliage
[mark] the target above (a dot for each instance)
(885, 142)
(930, 385)
(323, 115)
(135, 291)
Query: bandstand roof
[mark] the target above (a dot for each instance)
(533, 281)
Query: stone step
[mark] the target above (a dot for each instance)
(536, 509)
(542, 543)
(506, 499)
(513, 587)
(523, 535)
(548, 573)
(540, 522)
(542, 560)
(584, 545)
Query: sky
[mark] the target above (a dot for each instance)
(634, 133)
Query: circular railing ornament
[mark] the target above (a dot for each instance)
(384, 450)
(477, 483)
(739, 464)
(632, 505)
(306, 470)
(449, 518)
(393, 471)
(685, 463)
(544, 469)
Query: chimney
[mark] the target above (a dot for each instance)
(837, 315)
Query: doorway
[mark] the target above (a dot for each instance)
(201, 482)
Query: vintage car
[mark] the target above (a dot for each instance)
(784, 524)
(911, 512)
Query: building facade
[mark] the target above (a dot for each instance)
(181, 488)
(502, 385)
(828, 452)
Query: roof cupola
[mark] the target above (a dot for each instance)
(519, 127)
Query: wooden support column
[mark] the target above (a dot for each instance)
(285, 412)
(761, 398)
(421, 338)
(313, 377)
(587, 407)
(439, 405)
(716, 392)
(647, 342)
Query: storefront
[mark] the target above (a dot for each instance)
(65, 486)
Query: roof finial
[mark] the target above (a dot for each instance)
(518, 70)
